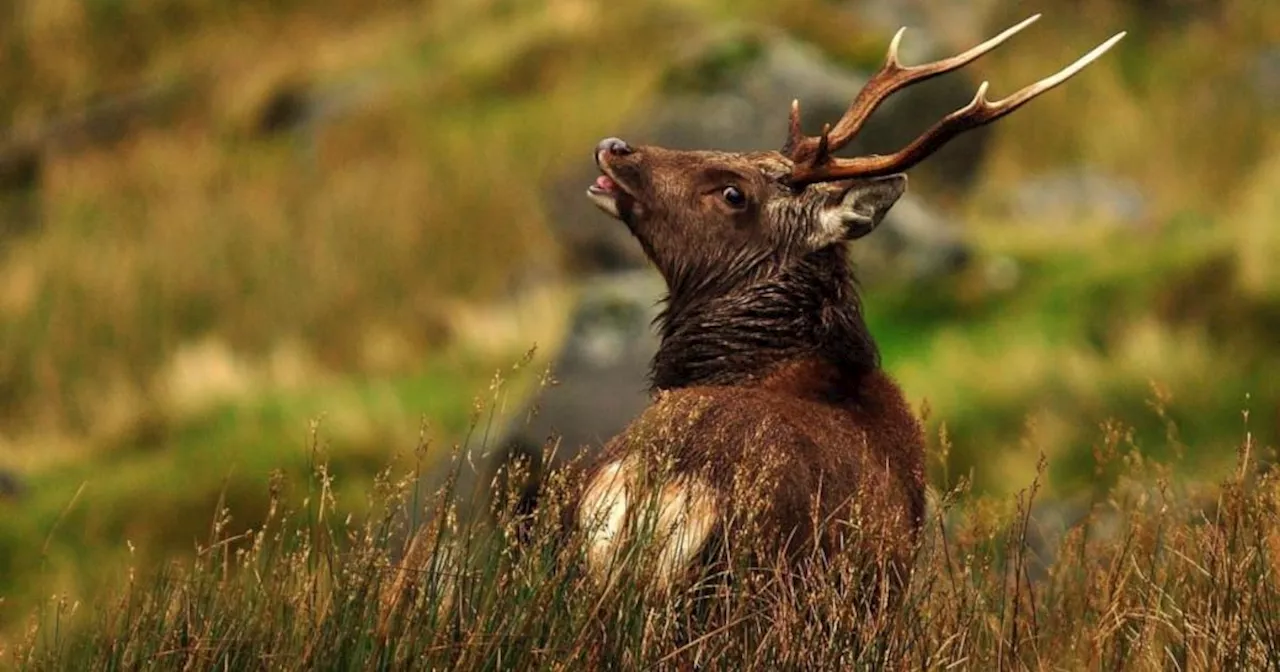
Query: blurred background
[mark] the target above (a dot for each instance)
(237, 235)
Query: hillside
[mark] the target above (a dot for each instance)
(225, 224)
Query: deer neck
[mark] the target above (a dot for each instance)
(738, 333)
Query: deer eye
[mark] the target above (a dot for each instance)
(734, 196)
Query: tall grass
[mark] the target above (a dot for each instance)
(1156, 576)
(194, 288)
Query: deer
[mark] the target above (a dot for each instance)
(768, 400)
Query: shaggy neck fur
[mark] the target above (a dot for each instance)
(738, 328)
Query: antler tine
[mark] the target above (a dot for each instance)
(823, 153)
(977, 113)
(892, 77)
(1014, 101)
(795, 136)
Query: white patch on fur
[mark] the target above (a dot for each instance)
(603, 513)
(686, 517)
(686, 514)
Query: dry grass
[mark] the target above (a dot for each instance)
(195, 289)
(1156, 576)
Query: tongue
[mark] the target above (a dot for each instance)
(603, 182)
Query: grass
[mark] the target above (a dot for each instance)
(78, 510)
(216, 229)
(1159, 574)
(195, 289)
(1084, 339)
(1072, 351)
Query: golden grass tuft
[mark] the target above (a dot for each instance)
(1156, 573)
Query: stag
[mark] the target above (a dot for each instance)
(769, 402)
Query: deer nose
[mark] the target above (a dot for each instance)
(615, 146)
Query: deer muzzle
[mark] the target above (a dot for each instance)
(605, 192)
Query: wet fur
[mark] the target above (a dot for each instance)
(767, 388)
(781, 376)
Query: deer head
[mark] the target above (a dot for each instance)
(721, 218)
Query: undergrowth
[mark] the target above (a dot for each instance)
(1155, 575)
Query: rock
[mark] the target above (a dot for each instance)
(20, 169)
(734, 94)
(600, 383)
(1266, 76)
(1078, 195)
(931, 24)
(914, 243)
(292, 105)
(1106, 518)
(11, 487)
(1050, 521)
(287, 108)
(20, 163)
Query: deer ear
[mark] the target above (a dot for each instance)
(857, 209)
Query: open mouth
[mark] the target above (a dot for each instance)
(604, 185)
(606, 194)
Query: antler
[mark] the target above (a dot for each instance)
(811, 155)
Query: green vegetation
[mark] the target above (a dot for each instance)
(1153, 579)
(199, 289)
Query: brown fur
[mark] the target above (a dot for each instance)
(767, 386)
(860, 457)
